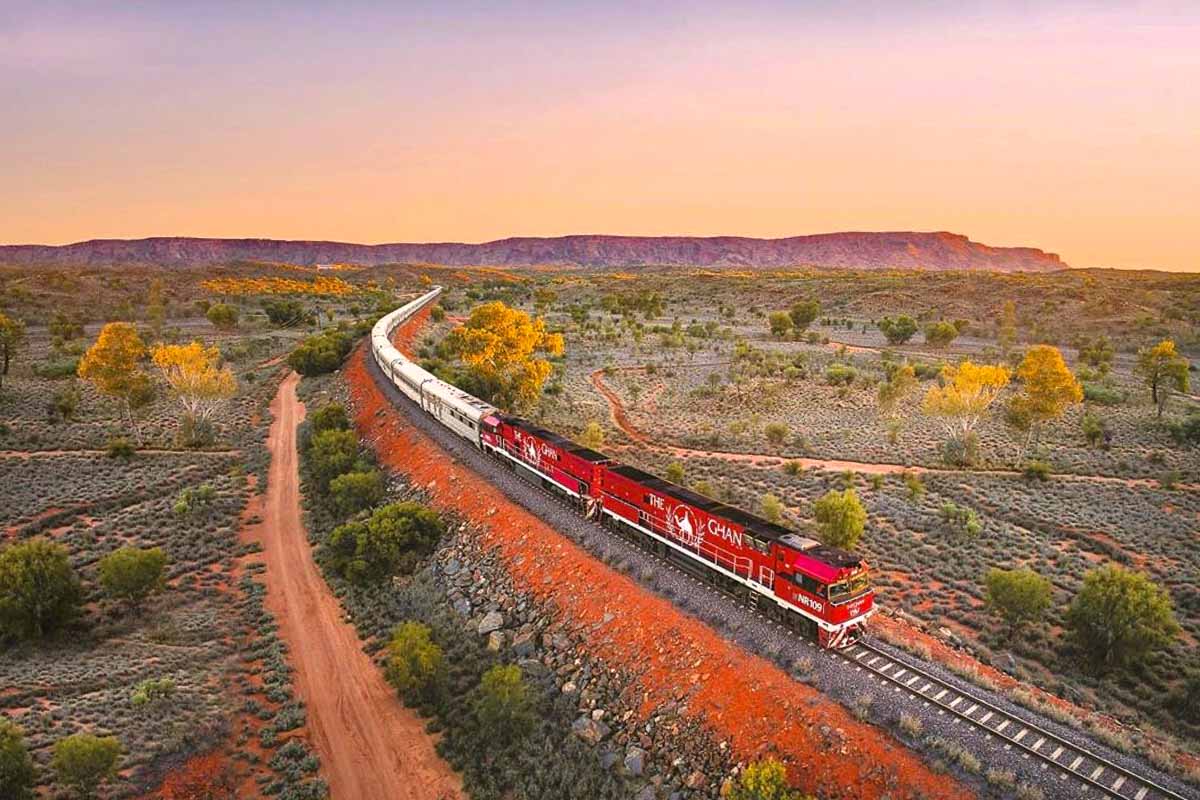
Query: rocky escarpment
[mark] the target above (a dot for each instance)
(895, 250)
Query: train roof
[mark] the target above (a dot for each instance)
(577, 450)
(808, 548)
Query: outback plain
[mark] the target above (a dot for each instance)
(235, 562)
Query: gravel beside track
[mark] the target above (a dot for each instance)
(834, 674)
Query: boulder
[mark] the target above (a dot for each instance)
(635, 761)
(590, 730)
(495, 641)
(492, 621)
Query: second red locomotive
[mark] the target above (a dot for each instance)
(811, 586)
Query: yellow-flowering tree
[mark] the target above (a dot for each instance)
(964, 396)
(196, 377)
(113, 366)
(1047, 387)
(500, 345)
(1163, 369)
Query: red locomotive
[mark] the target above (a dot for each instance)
(806, 584)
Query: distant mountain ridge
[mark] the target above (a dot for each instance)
(898, 250)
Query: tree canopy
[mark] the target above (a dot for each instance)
(840, 518)
(764, 780)
(17, 772)
(499, 345)
(804, 313)
(1163, 369)
(84, 761)
(39, 591)
(898, 330)
(940, 334)
(503, 704)
(391, 542)
(964, 396)
(414, 662)
(1018, 596)
(132, 574)
(113, 365)
(1120, 617)
(1047, 385)
(196, 377)
(12, 335)
(780, 323)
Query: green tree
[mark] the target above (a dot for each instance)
(764, 780)
(898, 330)
(772, 508)
(12, 335)
(83, 761)
(780, 323)
(940, 334)
(776, 432)
(1120, 617)
(1163, 369)
(321, 353)
(132, 574)
(391, 542)
(674, 473)
(840, 518)
(329, 417)
(592, 436)
(223, 316)
(415, 664)
(803, 313)
(17, 773)
(331, 453)
(1019, 596)
(354, 491)
(39, 591)
(503, 703)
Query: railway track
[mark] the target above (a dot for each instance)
(1071, 759)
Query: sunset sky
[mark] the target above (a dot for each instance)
(1074, 127)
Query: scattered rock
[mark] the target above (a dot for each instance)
(495, 641)
(492, 621)
(635, 761)
(590, 730)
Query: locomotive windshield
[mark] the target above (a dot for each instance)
(849, 588)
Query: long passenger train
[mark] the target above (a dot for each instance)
(822, 590)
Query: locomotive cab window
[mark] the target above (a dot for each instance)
(810, 585)
(849, 588)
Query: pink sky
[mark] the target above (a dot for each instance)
(1070, 127)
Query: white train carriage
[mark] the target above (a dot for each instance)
(449, 405)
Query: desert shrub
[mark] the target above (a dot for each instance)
(793, 467)
(911, 725)
(119, 447)
(132, 575)
(592, 435)
(331, 453)
(321, 353)
(940, 334)
(1119, 618)
(1036, 471)
(840, 374)
(763, 780)
(915, 486)
(776, 432)
(1187, 430)
(804, 312)
(194, 432)
(780, 323)
(503, 704)
(674, 473)
(57, 370)
(1102, 395)
(194, 499)
(329, 417)
(152, 691)
(772, 507)
(1001, 779)
(287, 313)
(437, 313)
(391, 542)
(222, 316)
(353, 492)
(961, 519)
(961, 451)
(898, 330)
(65, 402)
(1094, 429)
(1018, 596)
(414, 662)
(83, 761)
(840, 518)
(17, 773)
(39, 591)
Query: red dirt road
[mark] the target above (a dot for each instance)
(370, 745)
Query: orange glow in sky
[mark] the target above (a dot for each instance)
(1073, 127)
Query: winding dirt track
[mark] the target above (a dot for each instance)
(370, 745)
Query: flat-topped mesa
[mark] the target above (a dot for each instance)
(855, 250)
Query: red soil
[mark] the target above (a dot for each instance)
(371, 746)
(740, 697)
